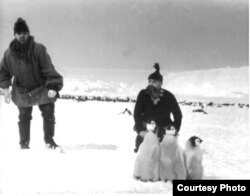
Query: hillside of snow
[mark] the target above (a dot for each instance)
(222, 82)
(216, 83)
(87, 87)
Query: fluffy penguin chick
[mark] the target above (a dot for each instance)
(172, 165)
(146, 167)
(193, 158)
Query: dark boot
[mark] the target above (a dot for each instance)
(48, 124)
(24, 146)
(51, 144)
(24, 126)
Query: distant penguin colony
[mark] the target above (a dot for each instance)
(83, 98)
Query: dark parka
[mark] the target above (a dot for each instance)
(31, 76)
(145, 110)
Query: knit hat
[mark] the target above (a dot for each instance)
(21, 26)
(156, 75)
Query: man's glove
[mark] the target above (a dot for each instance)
(52, 94)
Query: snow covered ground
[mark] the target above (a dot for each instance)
(98, 147)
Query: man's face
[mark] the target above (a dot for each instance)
(22, 37)
(155, 84)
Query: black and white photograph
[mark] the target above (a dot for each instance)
(122, 96)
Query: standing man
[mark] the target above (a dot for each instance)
(155, 104)
(27, 67)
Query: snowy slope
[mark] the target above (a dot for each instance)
(222, 82)
(90, 87)
(98, 144)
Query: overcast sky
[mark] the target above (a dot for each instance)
(133, 34)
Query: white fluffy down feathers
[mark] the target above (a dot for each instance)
(167, 160)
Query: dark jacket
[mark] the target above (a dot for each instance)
(31, 74)
(145, 110)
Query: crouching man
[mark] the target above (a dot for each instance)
(27, 66)
(157, 104)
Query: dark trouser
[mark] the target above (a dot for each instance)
(160, 134)
(48, 122)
